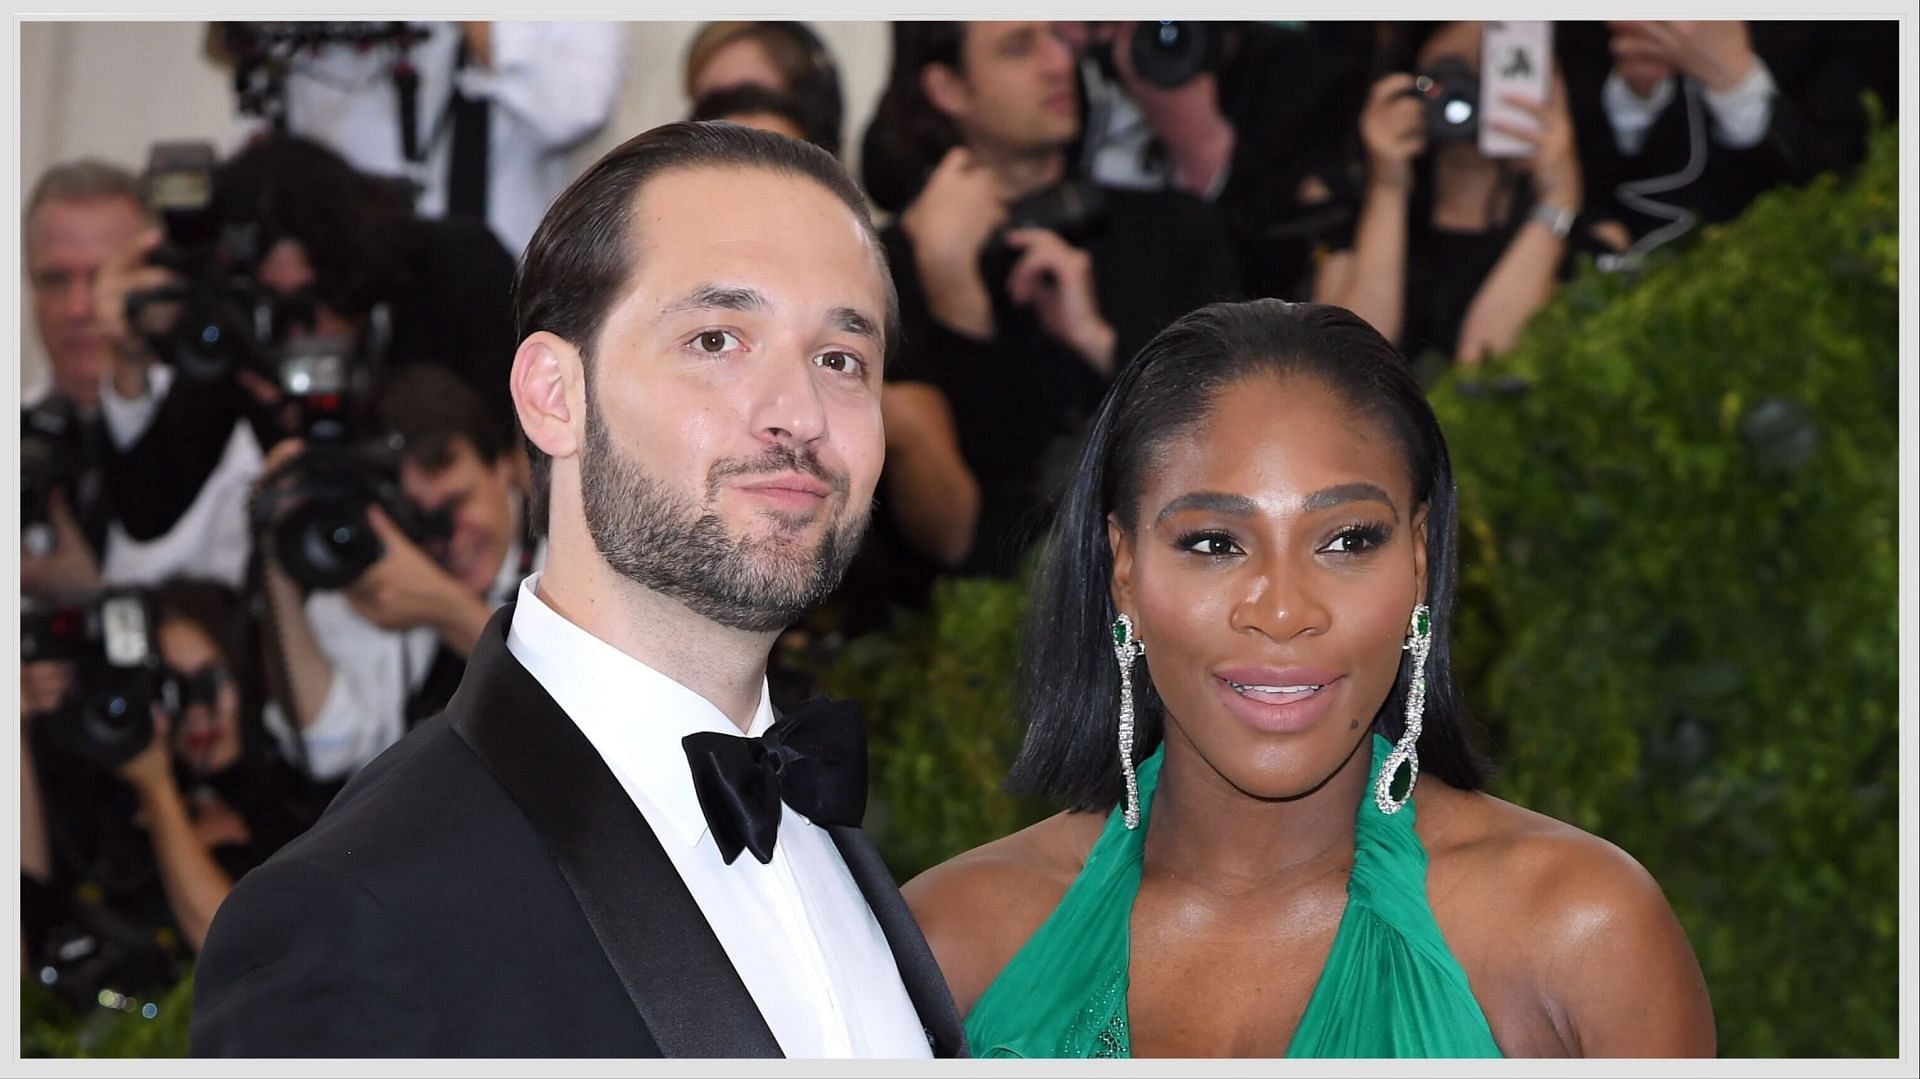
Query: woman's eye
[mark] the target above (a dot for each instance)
(1357, 540)
(715, 342)
(1210, 543)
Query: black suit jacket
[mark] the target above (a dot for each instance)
(486, 888)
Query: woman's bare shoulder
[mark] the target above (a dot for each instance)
(1575, 916)
(977, 908)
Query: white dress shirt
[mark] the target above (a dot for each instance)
(797, 929)
(375, 672)
(1740, 115)
(552, 86)
(211, 539)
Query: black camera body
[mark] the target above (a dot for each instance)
(118, 677)
(223, 318)
(1170, 53)
(46, 465)
(1450, 95)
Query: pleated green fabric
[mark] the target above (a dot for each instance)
(1390, 987)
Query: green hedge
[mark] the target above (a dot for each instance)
(1678, 612)
(1681, 616)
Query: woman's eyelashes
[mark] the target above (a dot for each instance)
(1352, 539)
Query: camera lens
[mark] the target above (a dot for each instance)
(1170, 53)
(327, 543)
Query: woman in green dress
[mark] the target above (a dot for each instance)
(1237, 681)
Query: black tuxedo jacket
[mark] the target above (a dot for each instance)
(486, 888)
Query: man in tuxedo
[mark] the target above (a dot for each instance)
(607, 846)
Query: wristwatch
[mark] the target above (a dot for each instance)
(1557, 219)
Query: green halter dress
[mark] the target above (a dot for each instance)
(1390, 987)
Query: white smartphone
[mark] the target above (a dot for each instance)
(1516, 60)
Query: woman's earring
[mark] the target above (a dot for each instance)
(1419, 640)
(1126, 649)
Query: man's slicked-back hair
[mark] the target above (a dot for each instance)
(581, 258)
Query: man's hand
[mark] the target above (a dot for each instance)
(1198, 137)
(128, 272)
(1394, 128)
(1056, 280)
(1716, 52)
(406, 588)
(954, 214)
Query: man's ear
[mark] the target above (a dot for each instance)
(546, 370)
(1120, 585)
(945, 90)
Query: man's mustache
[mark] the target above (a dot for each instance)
(777, 459)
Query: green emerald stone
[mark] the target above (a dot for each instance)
(1119, 632)
(1422, 624)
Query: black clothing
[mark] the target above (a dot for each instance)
(78, 445)
(457, 313)
(1021, 399)
(486, 887)
(1818, 123)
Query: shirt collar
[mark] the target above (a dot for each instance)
(634, 715)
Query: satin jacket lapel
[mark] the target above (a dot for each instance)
(654, 934)
(926, 986)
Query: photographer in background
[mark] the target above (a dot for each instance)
(1237, 114)
(358, 666)
(1453, 251)
(1022, 287)
(79, 215)
(786, 58)
(130, 847)
(481, 118)
(336, 260)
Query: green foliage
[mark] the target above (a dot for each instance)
(49, 1028)
(938, 696)
(1679, 610)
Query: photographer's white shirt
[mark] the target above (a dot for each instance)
(211, 539)
(797, 930)
(375, 672)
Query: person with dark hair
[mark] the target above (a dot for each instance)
(787, 58)
(1021, 287)
(753, 106)
(358, 666)
(706, 313)
(155, 844)
(1452, 251)
(1237, 681)
(346, 265)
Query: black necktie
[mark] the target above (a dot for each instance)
(467, 157)
(814, 759)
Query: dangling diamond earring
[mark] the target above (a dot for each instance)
(1419, 639)
(1126, 649)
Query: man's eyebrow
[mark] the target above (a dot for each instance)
(718, 297)
(848, 320)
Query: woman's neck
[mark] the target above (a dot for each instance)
(1206, 831)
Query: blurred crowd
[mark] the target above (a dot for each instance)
(274, 488)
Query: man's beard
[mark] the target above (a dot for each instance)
(659, 539)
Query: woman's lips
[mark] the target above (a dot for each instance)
(1277, 701)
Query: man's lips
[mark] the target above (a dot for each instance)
(792, 489)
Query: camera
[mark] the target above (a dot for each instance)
(1450, 94)
(1170, 53)
(1071, 208)
(314, 510)
(46, 466)
(223, 319)
(118, 678)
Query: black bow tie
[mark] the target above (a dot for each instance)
(814, 759)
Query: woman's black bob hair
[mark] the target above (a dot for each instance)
(1069, 681)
